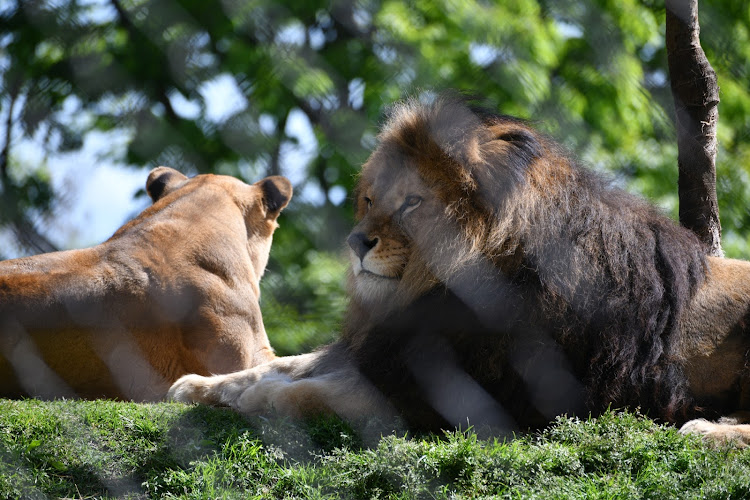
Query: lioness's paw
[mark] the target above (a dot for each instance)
(187, 389)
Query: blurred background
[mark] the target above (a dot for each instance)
(94, 93)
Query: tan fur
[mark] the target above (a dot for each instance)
(484, 208)
(174, 291)
(323, 381)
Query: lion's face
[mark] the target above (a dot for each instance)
(394, 210)
(428, 199)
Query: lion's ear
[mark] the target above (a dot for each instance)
(277, 191)
(162, 181)
(518, 142)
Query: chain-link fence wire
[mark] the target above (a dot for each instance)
(298, 88)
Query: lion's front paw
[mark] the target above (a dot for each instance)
(188, 389)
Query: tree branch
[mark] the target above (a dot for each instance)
(274, 167)
(696, 98)
(5, 153)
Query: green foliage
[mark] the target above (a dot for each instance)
(314, 287)
(591, 73)
(109, 449)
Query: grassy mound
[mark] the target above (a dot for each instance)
(124, 450)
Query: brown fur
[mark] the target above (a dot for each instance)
(495, 280)
(174, 291)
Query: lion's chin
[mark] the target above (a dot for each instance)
(370, 288)
(365, 274)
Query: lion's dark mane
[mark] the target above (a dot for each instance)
(601, 273)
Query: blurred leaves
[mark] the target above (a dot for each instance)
(303, 305)
(250, 88)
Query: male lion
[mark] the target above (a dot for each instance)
(494, 280)
(173, 291)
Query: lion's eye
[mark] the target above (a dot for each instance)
(368, 202)
(412, 201)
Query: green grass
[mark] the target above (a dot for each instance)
(108, 449)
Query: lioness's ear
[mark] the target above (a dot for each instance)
(277, 191)
(162, 181)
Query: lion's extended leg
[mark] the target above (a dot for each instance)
(294, 385)
(228, 389)
(734, 428)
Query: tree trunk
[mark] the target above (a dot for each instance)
(696, 97)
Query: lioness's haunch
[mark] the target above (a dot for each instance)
(495, 282)
(173, 291)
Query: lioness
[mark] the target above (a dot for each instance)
(173, 291)
(496, 282)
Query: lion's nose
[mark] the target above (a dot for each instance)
(361, 244)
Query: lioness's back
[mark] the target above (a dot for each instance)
(172, 292)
